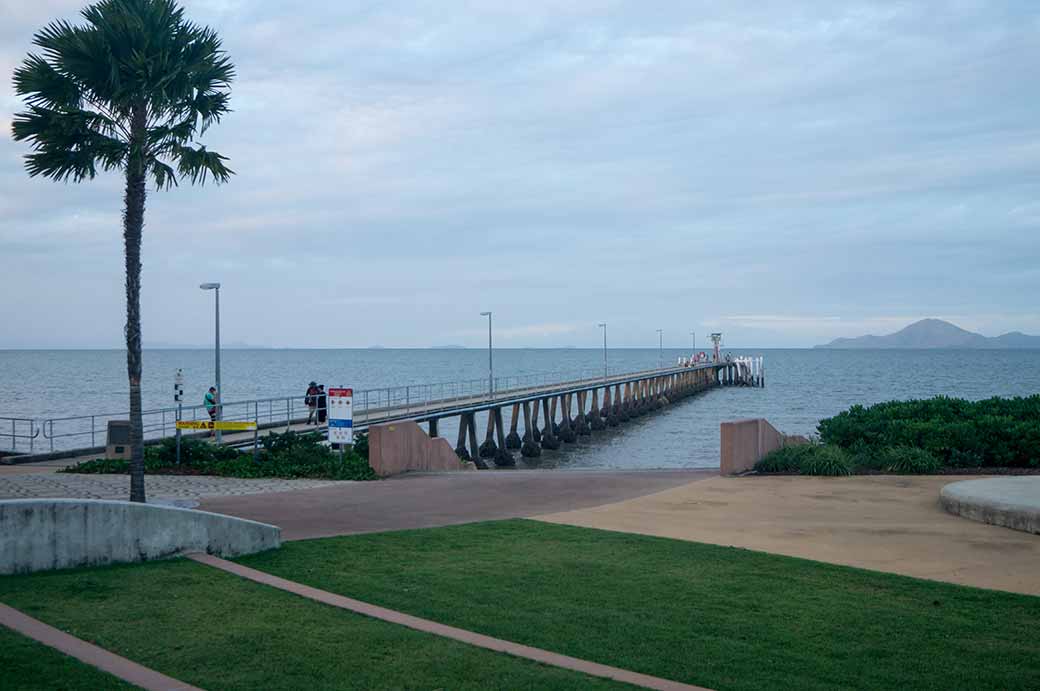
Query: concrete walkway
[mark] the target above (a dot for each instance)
(885, 523)
(434, 499)
(544, 657)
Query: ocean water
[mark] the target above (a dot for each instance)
(802, 387)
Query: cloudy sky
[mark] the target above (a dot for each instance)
(785, 172)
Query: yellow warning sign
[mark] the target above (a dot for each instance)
(224, 425)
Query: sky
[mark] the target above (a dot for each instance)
(782, 172)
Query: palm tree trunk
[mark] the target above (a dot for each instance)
(133, 224)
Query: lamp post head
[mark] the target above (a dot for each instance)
(603, 324)
(485, 314)
(210, 286)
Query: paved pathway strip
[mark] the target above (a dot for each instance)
(427, 626)
(117, 666)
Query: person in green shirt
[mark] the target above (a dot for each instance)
(210, 401)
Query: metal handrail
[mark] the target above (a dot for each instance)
(15, 424)
(287, 410)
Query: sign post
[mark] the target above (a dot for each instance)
(341, 418)
(178, 398)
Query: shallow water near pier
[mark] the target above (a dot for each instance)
(802, 386)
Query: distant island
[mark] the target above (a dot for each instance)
(936, 333)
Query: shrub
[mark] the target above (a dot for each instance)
(787, 459)
(999, 431)
(910, 460)
(361, 444)
(825, 460)
(288, 455)
(965, 459)
(865, 457)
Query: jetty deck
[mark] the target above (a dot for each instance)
(574, 406)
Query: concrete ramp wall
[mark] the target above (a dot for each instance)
(45, 534)
(745, 442)
(403, 446)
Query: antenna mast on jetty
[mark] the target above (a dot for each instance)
(716, 338)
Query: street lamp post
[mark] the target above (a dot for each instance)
(215, 287)
(491, 367)
(693, 334)
(660, 348)
(603, 325)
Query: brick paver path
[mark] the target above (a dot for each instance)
(182, 488)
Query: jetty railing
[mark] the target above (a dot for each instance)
(88, 432)
(19, 432)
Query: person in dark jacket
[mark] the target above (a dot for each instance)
(311, 399)
(323, 404)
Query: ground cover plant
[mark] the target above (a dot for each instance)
(921, 436)
(220, 632)
(714, 616)
(287, 455)
(30, 666)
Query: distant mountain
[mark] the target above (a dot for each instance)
(936, 333)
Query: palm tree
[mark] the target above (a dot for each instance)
(132, 89)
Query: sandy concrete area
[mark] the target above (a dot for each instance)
(885, 523)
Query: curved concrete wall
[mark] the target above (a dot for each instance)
(1012, 502)
(44, 534)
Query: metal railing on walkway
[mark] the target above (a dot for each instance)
(89, 431)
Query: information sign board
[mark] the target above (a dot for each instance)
(225, 425)
(341, 416)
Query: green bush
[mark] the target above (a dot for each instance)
(361, 444)
(995, 432)
(787, 459)
(910, 460)
(825, 460)
(965, 459)
(288, 455)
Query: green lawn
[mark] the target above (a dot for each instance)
(217, 631)
(26, 665)
(713, 616)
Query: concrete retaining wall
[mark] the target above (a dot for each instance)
(745, 442)
(403, 446)
(45, 534)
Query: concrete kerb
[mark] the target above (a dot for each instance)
(46, 534)
(127, 670)
(1011, 502)
(427, 626)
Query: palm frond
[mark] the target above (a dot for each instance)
(198, 163)
(67, 144)
(164, 175)
(41, 85)
(129, 57)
